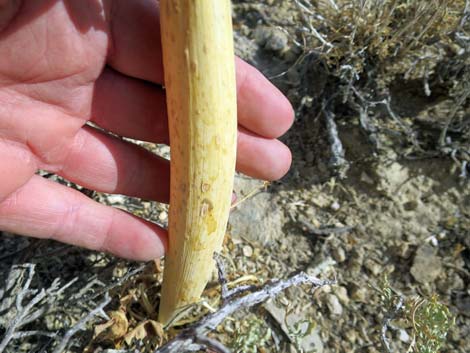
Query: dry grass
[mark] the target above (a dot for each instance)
(371, 47)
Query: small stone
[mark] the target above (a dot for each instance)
(115, 199)
(163, 216)
(333, 304)
(351, 336)
(403, 250)
(389, 269)
(427, 266)
(355, 261)
(403, 336)
(277, 42)
(271, 38)
(244, 47)
(450, 283)
(432, 240)
(307, 101)
(259, 219)
(339, 254)
(359, 294)
(247, 251)
(163, 150)
(342, 294)
(373, 267)
(355, 267)
(283, 301)
(335, 206)
(261, 35)
(309, 339)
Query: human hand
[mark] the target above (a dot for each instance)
(66, 63)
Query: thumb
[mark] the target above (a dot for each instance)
(8, 10)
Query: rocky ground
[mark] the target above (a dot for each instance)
(383, 224)
(403, 218)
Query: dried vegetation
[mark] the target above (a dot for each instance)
(405, 61)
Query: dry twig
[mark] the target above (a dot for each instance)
(338, 160)
(190, 338)
(35, 308)
(80, 325)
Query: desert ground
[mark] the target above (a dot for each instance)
(377, 200)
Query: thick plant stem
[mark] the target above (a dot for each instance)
(199, 66)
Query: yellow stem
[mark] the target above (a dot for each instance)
(198, 57)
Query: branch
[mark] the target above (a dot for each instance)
(222, 276)
(113, 285)
(80, 325)
(338, 160)
(21, 311)
(23, 334)
(189, 337)
(213, 344)
(466, 14)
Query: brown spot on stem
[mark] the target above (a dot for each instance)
(206, 213)
(205, 187)
(206, 207)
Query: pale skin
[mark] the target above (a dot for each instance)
(66, 63)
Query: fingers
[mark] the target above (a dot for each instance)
(104, 163)
(8, 10)
(136, 46)
(262, 158)
(135, 108)
(130, 107)
(17, 166)
(262, 108)
(138, 108)
(44, 209)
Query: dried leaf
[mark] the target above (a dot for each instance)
(146, 329)
(114, 329)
